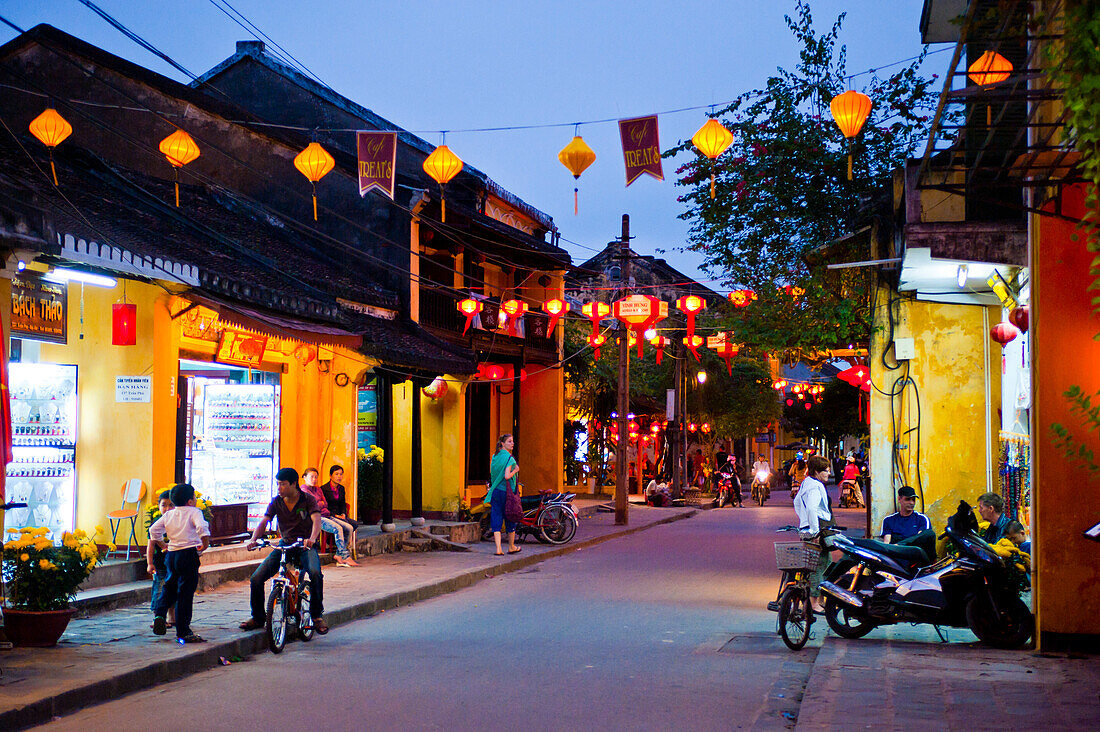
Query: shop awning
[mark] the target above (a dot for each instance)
(280, 326)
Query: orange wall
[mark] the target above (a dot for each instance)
(1065, 353)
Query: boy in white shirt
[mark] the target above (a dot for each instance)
(188, 536)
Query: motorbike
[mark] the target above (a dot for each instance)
(550, 517)
(885, 584)
(761, 486)
(723, 490)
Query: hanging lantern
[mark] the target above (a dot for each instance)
(442, 165)
(850, 111)
(741, 298)
(51, 129)
(123, 324)
(555, 309)
(469, 307)
(576, 157)
(693, 343)
(314, 163)
(690, 305)
(596, 340)
(515, 310)
(1004, 333)
(808, 405)
(659, 342)
(990, 68)
(1020, 317)
(712, 139)
(722, 345)
(595, 311)
(180, 150)
(437, 389)
(493, 373)
(638, 312)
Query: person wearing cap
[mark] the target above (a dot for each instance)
(906, 522)
(850, 476)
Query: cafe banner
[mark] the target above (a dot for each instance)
(377, 158)
(39, 309)
(641, 148)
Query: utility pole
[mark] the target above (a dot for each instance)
(674, 437)
(622, 465)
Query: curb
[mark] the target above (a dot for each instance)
(206, 657)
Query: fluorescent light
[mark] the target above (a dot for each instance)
(962, 274)
(76, 275)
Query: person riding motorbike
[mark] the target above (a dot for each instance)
(798, 473)
(728, 471)
(850, 492)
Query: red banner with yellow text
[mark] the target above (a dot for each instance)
(377, 161)
(641, 147)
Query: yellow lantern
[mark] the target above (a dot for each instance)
(712, 139)
(576, 157)
(180, 150)
(850, 111)
(51, 128)
(990, 68)
(314, 163)
(442, 165)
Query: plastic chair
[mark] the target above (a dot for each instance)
(133, 491)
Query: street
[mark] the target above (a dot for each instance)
(652, 629)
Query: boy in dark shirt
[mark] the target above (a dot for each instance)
(299, 518)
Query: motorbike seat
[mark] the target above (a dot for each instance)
(911, 555)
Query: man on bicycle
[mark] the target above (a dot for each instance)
(299, 517)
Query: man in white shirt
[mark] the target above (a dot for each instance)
(812, 508)
(188, 536)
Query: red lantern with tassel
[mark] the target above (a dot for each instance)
(469, 307)
(123, 324)
(596, 340)
(555, 309)
(1021, 317)
(595, 311)
(660, 343)
(515, 310)
(639, 312)
(1004, 333)
(693, 343)
(690, 305)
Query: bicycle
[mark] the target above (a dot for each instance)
(795, 559)
(288, 601)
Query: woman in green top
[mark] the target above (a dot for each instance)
(502, 477)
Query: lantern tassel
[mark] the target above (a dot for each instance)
(988, 116)
(849, 159)
(575, 202)
(177, 187)
(53, 170)
(712, 185)
(442, 210)
(314, 202)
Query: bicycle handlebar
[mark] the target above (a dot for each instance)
(267, 542)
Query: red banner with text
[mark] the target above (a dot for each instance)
(377, 158)
(641, 147)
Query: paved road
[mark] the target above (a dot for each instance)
(654, 630)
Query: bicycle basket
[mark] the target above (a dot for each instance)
(796, 555)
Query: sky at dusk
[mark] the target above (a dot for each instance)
(468, 64)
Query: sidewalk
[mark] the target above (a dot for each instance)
(890, 684)
(113, 653)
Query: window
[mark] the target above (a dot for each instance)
(478, 440)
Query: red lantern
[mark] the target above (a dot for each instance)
(790, 402)
(469, 307)
(639, 312)
(595, 311)
(596, 340)
(741, 298)
(721, 345)
(437, 389)
(808, 406)
(494, 373)
(123, 324)
(1020, 317)
(1004, 333)
(660, 342)
(693, 343)
(515, 310)
(555, 309)
(690, 305)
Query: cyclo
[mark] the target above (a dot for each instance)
(288, 601)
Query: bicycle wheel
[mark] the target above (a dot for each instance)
(795, 616)
(557, 525)
(276, 619)
(305, 617)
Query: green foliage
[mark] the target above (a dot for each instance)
(782, 190)
(834, 416)
(1074, 449)
(735, 404)
(40, 576)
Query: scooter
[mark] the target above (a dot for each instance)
(722, 494)
(886, 584)
(761, 486)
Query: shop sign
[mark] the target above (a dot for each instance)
(377, 157)
(367, 416)
(641, 148)
(134, 389)
(765, 438)
(241, 349)
(39, 309)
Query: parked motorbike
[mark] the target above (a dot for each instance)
(885, 584)
(761, 486)
(549, 517)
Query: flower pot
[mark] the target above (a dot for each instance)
(36, 628)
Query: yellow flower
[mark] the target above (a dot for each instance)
(24, 557)
(111, 546)
(26, 530)
(40, 531)
(80, 534)
(46, 564)
(43, 544)
(98, 530)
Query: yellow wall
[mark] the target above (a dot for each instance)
(542, 416)
(954, 354)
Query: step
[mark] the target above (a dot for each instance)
(416, 544)
(121, 571)
(438, 542)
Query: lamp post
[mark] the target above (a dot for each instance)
(622, 480)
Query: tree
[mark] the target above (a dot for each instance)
(782, 190)
(834, 415)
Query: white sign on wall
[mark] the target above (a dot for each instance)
(133, 388)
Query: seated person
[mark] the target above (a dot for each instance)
(657, 494)
(906, 522)
(991, 508)
(1014, 532)
(341, 531)
(299, 518)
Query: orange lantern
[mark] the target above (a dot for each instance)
(741, 298)
(469, 307)
(314, 163)
(990, 68)
(51, 129)
(712, 139)
(595, 311)
(576, 157)
(180, 150)
(442, 165)
(555, 309)
(596, 340)
(660, 342)
(690, 305)
(639, 312)
(850, 111)
(693, 343)
(515, 310)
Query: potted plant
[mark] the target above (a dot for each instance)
(369, 488)
(41, 580)
(152, 513)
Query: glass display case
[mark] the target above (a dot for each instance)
(42, 473)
